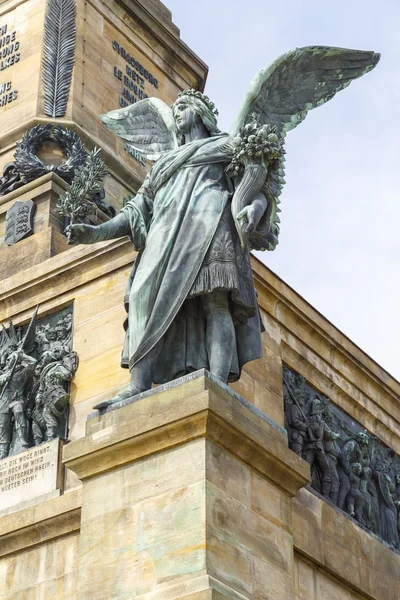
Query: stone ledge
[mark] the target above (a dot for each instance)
(41, 523)
(185, 379)
(77, 265)
(49, 182)
(198, 408)
(203, 587)
(28, 503)
(335, 542)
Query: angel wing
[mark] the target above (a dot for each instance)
(281, 95)
(148, 126)
(299, 80)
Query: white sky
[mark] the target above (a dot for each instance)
(339, 244)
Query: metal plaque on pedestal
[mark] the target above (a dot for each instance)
(19, 222)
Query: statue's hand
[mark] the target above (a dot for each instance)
(80, 234)
(248, 219)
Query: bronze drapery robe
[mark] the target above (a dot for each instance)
(173, 220)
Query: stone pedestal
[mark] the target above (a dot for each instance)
(186, 494)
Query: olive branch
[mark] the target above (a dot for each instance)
(78, 203)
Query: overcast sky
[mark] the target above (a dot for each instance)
(339, 244)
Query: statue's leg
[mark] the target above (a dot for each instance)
(141, 378)
(220, 334)
(296, 447)
(38, 433)
(21, 424)
(326, 476)
(343, 489)
(142, 372)
(334, 491)
(5, 434)
(51, 423)
(350, 504)
(358, 506)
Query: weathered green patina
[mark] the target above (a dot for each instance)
(208, 200)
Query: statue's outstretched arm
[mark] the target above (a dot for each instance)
(81, 233)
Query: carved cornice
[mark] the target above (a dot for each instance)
(41, 523)
(199, 408)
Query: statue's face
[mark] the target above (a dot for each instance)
(362, 439)
(60, 332)
(381, 465)
(185, 116)
(317, 408)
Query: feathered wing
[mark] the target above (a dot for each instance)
(299, 80)
(148, 126)
(281, 95)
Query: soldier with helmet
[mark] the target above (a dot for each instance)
(317, 432)
(52, 397)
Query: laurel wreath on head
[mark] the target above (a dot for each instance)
(29, 165)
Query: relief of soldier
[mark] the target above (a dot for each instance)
(52, 397)
(36, 367)
(349, 467)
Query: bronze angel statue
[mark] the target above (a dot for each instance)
(209, 198)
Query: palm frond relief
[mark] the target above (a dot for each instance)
(58, 55)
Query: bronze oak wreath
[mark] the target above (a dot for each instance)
(29, 165)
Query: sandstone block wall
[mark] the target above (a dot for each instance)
(200, 505)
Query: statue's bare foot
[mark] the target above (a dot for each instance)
(129, 393)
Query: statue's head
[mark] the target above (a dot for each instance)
(51, 334)
(60, 331)
(362, 438)
(367, 472)
(316, 407)
(299, 397)
(381, 465)
(193, 107)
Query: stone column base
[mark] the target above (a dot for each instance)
(186, 494)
